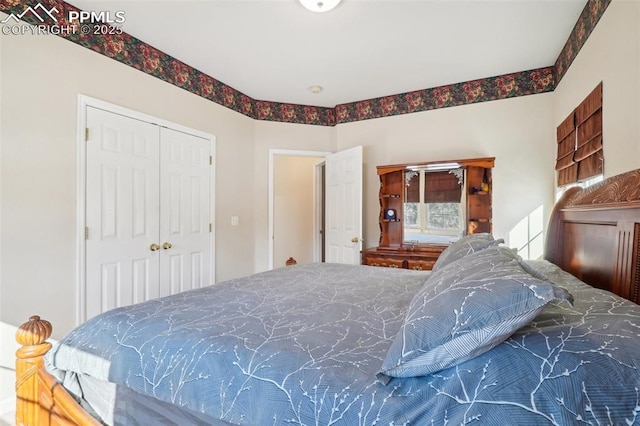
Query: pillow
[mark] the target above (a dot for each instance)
(533, 270)
(465, 309)
(529, 267)
(466, 245)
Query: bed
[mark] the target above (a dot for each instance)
(483, 338)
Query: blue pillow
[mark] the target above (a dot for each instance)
(464, 246)
(466, 308)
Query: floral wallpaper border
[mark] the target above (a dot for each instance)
(591, 14)
(135, 53)
(470, 92)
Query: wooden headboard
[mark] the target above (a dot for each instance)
(594, 234)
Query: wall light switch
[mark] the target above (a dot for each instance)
(235, 220)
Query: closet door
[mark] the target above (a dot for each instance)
(122, 211)
(184, 212)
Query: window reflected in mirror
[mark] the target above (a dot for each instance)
(434, 211)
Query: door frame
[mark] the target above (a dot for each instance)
(81, 186)
(317, 197)
(319, 201)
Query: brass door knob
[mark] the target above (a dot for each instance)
(355, 240)
(166, 246)
(154, 247)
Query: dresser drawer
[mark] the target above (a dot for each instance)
(420, 265)
(383, 261)
(418, 259)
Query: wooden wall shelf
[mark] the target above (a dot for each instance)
(391, 250)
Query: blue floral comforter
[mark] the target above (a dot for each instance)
(302, 345)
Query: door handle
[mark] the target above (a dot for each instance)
(166, 246)
(154, 247)
(355, 240)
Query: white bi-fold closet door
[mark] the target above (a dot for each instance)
(148, 225)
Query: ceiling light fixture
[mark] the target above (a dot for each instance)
(315, 89)
(319, 5)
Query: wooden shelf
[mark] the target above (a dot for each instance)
(392, 251)
(391, 197)
(479, 207)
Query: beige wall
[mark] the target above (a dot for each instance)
(41, 76)
(293, 209)
(611, 55)
(41, 79)
(286, 136)
(516, 132)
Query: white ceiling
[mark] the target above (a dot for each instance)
(274, 50)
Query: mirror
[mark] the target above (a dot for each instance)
(434, 203)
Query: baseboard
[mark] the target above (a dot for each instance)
(7, 406)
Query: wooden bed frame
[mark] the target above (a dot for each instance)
(593, 233)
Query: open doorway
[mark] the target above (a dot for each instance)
(296, 206)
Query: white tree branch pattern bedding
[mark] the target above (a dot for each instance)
(302, 345)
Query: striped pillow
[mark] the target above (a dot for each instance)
(465, 309)
(464, 246)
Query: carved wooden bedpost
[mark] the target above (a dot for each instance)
(32, 335)
(40, 399)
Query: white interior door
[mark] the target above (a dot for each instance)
(184, 205)
(122, 211)
(343, 214)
